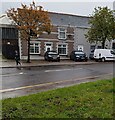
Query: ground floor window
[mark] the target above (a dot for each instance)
(92, 48)
(34, 47)
(99, 47)
(62, 49)
(80, 47)
(48, 46)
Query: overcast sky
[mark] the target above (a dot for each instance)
(76, 7)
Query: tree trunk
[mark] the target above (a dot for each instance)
(103, 44)
(28, 59)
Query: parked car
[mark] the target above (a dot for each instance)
(78, 56)
(104, 55)
(51, 56)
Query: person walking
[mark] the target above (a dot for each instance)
(17, 58)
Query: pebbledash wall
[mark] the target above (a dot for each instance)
(67, 35)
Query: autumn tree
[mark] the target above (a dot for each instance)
(30, 20)
(102, 26)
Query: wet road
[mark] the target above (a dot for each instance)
(23, 79)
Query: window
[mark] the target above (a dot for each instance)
(92, 48)
(32, 33)
(34, 47)
(61, 33)
(112, 52)
(48, 46)
(62, 49)
(80, 47)
(99, 47)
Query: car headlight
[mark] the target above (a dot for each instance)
(49, 56)
(77, 56)
(58, 56)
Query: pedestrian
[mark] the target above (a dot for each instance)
(17, 58)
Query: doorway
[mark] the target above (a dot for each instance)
(48, 46)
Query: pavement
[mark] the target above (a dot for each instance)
(5, 63)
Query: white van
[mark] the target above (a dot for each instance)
(104, 54)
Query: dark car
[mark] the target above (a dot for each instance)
(78, 56)
(52, 56)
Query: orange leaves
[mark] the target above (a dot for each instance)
(31, 18)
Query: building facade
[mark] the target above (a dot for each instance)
(61, 40)
(8, 37)
(68, 33)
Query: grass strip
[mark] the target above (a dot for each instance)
(86, 100)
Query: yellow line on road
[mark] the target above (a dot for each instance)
(50, 83)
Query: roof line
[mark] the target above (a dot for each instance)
(68, 14)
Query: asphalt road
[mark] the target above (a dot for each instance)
(24, 81)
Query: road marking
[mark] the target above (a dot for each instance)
(51, 83)
(5, 75)
(58, 70)
(21, 73)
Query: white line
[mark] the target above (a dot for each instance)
(21, 73)
(56, 70)
(5, 75)
(61, 70)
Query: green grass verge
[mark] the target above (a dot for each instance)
(86, 100)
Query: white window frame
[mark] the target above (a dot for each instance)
(65, 32)
(80, 47)
(62, 47)
(34, 42)
(51, 43)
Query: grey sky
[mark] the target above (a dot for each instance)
(81, 7)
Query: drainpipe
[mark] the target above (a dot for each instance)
(19, 43)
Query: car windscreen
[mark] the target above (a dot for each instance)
(52, 53)
(112, 52)
(79, 53)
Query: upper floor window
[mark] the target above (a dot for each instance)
(62, 33)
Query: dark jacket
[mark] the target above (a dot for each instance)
(17, 56)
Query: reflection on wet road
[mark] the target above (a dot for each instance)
(19, 78)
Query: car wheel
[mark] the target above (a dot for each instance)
(44, 58)
(86, 60)
(59, 60)
(74, 59)
(96, 60)
(103, 59)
